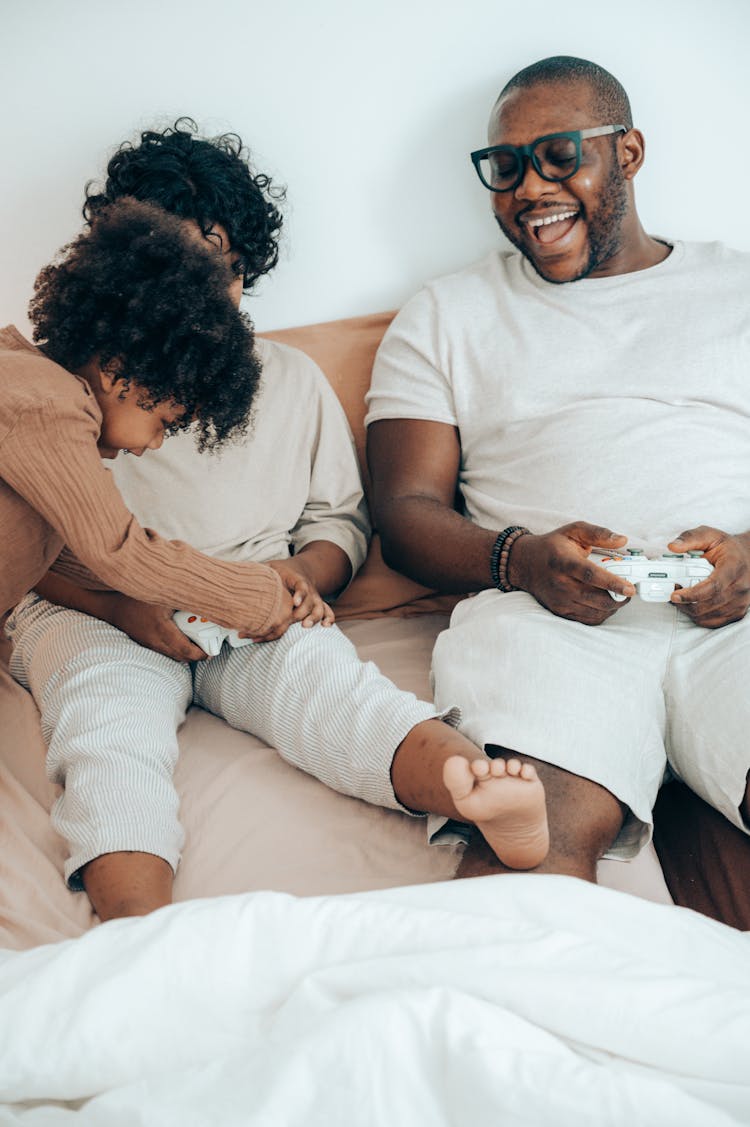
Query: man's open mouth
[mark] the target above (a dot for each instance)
(551, 227)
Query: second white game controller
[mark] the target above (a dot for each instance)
(206, 634)
(656, 579)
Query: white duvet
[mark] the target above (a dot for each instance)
(497, 1002)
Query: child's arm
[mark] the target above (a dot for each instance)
(323, 564)
(331, 534)
(149, 625)
(50, 458)
(318, 569)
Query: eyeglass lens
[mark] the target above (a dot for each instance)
(555, 158)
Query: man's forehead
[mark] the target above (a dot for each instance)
(522, 114)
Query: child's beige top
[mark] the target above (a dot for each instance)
(56, 491)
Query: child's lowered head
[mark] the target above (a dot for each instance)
(140, 307)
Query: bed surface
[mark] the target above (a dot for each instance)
(540, 1001)
(252, 821)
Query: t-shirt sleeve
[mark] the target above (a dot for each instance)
(335, 509)
(410, 378)
(50, 458)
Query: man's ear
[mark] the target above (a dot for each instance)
(632, 152)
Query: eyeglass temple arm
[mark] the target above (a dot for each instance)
(603, 130)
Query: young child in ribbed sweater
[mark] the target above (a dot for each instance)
(124, 356)
(289, 495)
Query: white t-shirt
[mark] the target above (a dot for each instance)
(623, 401)
(294, 478)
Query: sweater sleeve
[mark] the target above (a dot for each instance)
(71, 568)
(50, 458)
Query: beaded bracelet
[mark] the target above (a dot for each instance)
(500, 554)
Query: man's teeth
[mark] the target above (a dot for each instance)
(557, 218)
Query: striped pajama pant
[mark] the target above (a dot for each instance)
(110, 710)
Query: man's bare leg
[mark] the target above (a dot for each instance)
(435, 768)
(127, 884)
(745, 804)
(584, 820)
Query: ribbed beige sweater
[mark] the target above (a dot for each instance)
(55, 491)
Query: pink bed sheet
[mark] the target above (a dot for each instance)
(252, 821)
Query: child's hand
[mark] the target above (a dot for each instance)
(309, 607)
(153, 627)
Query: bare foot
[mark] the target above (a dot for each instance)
(505, 801)
(127, 884)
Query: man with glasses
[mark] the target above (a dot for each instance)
(516, 419)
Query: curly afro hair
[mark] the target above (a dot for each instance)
(209, 181)
(150, 301)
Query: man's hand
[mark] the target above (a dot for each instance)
(725, 596)
(152, 627)
(307, 606)
(556, 570)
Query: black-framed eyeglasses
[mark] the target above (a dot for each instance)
(555, 156)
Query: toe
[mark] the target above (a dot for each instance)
(457, 776)
(514, 766)
(528, 771)
(497, 768)
(481, 768)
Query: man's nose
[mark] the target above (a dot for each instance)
(532, 186)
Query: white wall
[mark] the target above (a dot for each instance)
(367, 111)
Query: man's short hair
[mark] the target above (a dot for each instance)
(209, 181)
(151, 303)
(611, 103)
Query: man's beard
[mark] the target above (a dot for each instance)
(604, 228)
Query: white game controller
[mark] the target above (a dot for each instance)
(656, 579)
(206, 634)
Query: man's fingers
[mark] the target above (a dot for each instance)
(595, 535)
(689, 538)
(712, 616)
(704, 593)
(710, 604)
(700, 539)
(594, 576)
(590, 608)
(581, 602)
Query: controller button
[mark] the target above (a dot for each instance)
(193, 618)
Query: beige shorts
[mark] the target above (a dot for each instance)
(614, 703)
